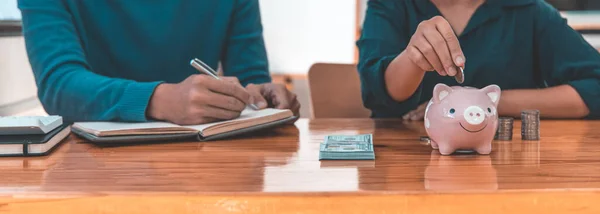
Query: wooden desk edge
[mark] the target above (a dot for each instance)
(503, 202)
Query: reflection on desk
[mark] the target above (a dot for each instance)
(278, 171)
(460, 173)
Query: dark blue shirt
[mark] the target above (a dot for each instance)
(516, 44)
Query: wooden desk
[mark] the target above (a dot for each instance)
(279, 172)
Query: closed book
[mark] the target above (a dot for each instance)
(33, 144)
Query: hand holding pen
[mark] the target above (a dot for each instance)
(197, 100)
(202, 67)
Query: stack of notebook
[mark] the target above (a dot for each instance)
(31, 135)
(35, 136)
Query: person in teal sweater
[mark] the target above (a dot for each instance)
(129, 60)
(523, 46)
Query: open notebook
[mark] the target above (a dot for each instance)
(249, 120)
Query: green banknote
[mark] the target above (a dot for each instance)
(347, 147)
(366, 138)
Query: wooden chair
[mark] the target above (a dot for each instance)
(335, 91)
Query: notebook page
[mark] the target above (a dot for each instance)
(247, 114)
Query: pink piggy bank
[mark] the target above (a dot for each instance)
(462, 118)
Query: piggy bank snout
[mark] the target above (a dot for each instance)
(474, 115)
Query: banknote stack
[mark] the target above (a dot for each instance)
(530, 125)
(347, 147)
(505, 129)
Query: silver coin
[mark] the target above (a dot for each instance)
(460, 76)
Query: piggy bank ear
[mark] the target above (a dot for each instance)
(493, 92)
(440, 92)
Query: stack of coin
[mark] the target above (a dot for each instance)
(505, 129)
(530, 125)
(424, 140)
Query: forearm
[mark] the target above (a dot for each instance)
(402, 78)
(80, 95)
(560, 102)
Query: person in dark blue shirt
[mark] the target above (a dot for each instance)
(129, 60)
(523, 46)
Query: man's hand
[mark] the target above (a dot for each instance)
(274, 96)
(417, 114)
(198, 99)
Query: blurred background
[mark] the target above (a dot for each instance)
(298, 34)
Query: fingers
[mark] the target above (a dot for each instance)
(224, 87)
(418, 58)
(432, 57)
(417, 114)
(296, 107)
(441, 49)
(232, 80)
(224, 102)
(452, 42)
(256, 95)
(412, 115)
(279, 96)
(435, 46)
(408, 115)
(254, 90)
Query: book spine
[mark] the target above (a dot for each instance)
(26, 148)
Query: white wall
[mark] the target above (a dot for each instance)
(17, 84)
(299, 33)
(362, 10)
(8, 10)
(16, 79)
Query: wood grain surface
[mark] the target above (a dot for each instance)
(278, 171)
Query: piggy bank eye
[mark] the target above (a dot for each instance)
(491, 111)
(452, 111)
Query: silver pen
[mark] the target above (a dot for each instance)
(201, 66)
